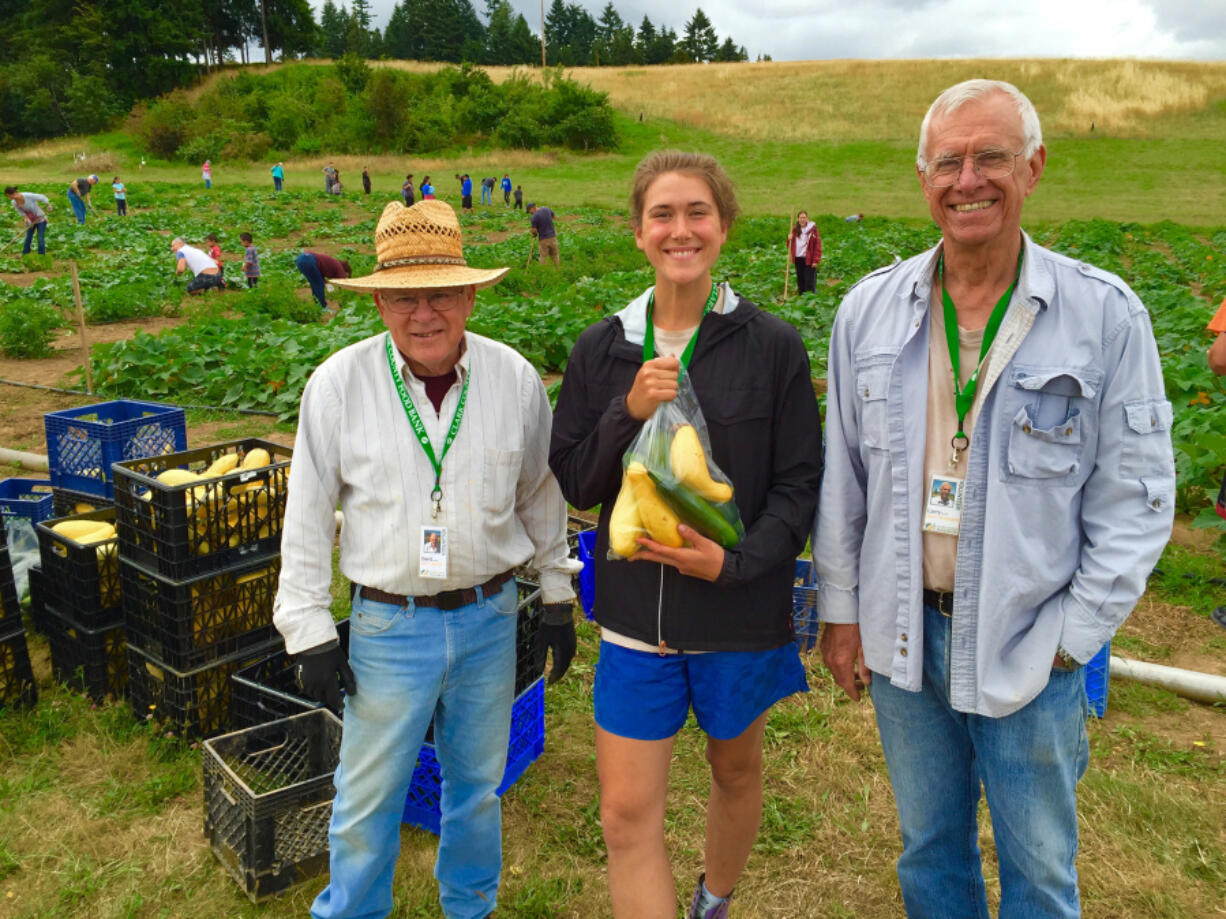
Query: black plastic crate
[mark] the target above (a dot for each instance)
(65, 502)
(16, 675)
(189, 623)
(38, 598)
(268, 689)
(81, 579)
(268, 800)
(195, 703)
(10, 606)
(181, 531)
(83, 442)
(90, 659)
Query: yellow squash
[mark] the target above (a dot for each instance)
(658, 518)
(689, 463)
(625, 523)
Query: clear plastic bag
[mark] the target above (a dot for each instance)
(668, 477)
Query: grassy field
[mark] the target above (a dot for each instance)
(822, 135)
(100, 814)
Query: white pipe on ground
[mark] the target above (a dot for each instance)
(1203, 687)
(34, 461)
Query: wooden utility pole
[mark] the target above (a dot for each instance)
(76, 295)
(787, 262)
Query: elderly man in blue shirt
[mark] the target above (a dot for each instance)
(1024, 387)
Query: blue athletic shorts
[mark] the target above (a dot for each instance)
(644, 696)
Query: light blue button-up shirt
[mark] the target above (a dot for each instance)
(1070, 478)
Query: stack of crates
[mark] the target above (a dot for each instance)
(268, 690)
(83, 443)
(79, 608)
(16, 674)
(198, 565)
(23, 503)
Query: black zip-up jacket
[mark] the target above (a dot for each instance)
(751, 375)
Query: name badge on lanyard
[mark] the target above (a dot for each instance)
(433, 552)
(943, 505)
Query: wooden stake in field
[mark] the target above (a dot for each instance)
(787, 260)
(76, 295)
(531, 246)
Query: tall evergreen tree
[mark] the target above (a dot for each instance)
(333, 24)
(730, 51)
(700, 41)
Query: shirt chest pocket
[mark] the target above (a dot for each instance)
(1051, 419)
(499, 478)
(872, 384)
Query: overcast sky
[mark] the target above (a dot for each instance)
(815, 29)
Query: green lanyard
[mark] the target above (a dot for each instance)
(649, 337)
(419, 429)
(964, 397)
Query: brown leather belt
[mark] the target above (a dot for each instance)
(447, 600)
(941, 600)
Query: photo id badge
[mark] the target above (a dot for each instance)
(943, 505)
(433, 552)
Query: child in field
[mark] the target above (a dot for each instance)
(215, 251)
(121, 197)
(251, 260)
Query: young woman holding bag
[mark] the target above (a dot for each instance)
(696, 626)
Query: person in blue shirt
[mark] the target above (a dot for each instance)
(466, 193)
(278, 176)
(1030, 384)
(427, 190)
(506, 190)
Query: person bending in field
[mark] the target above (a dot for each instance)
(1030, 383)
(205, 272)
(31, 208)
(698, 626)
(318, 268)
(251, 260)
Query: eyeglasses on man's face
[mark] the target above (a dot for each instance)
(944, 171)
(408, 301)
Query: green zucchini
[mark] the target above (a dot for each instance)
(694, 510)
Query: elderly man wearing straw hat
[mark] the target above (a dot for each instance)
(426, 427)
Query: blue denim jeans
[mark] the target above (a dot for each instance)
(1028, 764)
(412, 664)
(78, 205)
(487, 195)
(41, 229)
(309, 267)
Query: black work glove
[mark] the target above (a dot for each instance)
(319, 670)
(557, 634)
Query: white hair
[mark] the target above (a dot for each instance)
(970, 90)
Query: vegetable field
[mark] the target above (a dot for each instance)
(255, 349)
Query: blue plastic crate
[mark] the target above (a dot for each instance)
(31, 499)
(804, 605)
(526, 743)
(587, 577)
(83, 442)
(1098, 676)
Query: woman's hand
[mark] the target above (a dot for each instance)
(655, 382)
(703, 558)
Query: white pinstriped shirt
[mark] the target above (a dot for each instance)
(356, 449)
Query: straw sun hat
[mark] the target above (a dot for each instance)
(417, 247)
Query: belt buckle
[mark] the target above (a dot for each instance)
(945, 604)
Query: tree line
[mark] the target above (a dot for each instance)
(76, 66)
(451, 30)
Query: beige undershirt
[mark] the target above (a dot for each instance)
(940, 552)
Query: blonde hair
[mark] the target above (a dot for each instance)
(705, 167)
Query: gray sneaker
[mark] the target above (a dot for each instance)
(715, 912)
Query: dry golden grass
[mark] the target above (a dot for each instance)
(852, 100)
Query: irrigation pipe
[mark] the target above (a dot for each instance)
(34, 461)
(1203, 687)
(81, 392)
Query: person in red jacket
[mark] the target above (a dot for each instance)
(805, 249)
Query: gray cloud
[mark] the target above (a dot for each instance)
(881, 29)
